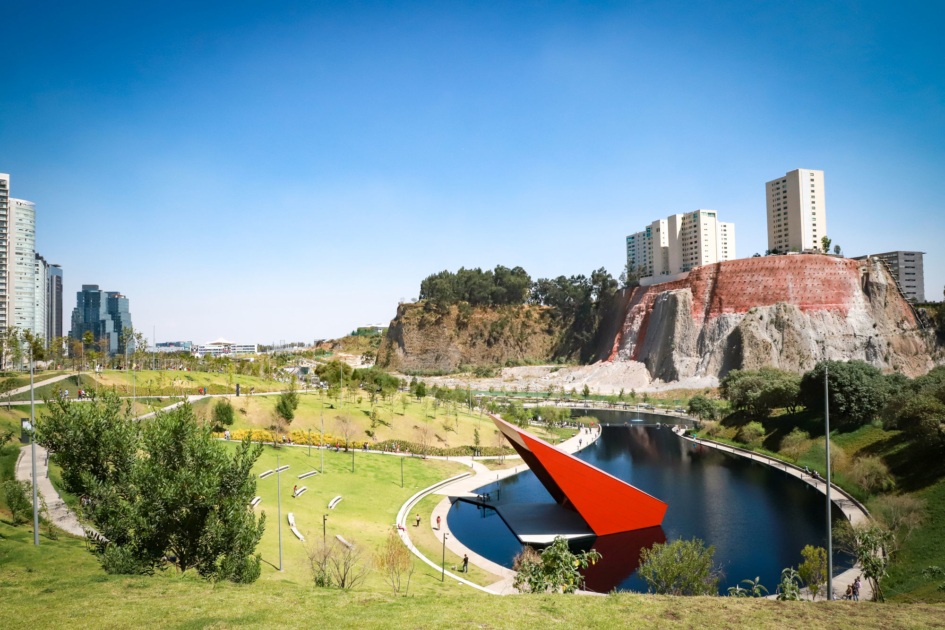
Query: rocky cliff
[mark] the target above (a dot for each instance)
(424, 339)
(782, 311)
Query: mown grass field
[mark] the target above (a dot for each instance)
(59, 585)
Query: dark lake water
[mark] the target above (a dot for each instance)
(758, 518)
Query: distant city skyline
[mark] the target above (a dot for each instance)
(263, 172)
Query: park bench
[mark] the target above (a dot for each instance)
(334, 502)
(255, 501)
(299, 492)
(291, 519)
(266, 474)
(308, 474)
(344, 542)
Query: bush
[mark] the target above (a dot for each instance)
(556, 570)
(681, 567)
(795, 444)
(19, 501)
(751, 434)
(702, 408)
(871, 474)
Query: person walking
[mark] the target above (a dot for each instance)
(438, 522)
(465, 563)
(856, 589)
(417, 524)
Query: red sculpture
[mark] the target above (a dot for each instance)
(607, 504)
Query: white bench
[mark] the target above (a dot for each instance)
(291, 518)
(308, 474)
(298, 534)
(266, 474)
(334, 502)
(299, 492)
(255, 502)
(343, 541)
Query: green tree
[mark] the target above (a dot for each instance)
(869, 545)
(871, 474)
(287, 404)
(680, 567)
(166, 489)
(223, 415)
(94, 441)
(557, 569)
(586, 391)
(825, 244)
(702, 407)
(857, 391)
(813, 570)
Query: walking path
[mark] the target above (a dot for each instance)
(465, 486)
(853, 510)
(59, 513)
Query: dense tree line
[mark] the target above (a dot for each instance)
(859, 393)
(500, 287)
(578, 303)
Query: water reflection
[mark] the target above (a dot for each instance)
(757, 518)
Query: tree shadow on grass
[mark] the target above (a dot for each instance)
(915, 464)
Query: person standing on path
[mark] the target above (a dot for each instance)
(465, 563)
(417, 524)
(856, 589)
(438, 522)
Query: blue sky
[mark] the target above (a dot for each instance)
(270, 171)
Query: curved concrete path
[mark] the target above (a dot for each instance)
(852, 509)
(59, 513)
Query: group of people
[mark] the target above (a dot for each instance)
(853, 590)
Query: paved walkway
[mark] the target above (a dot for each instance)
(852, 509)
(465, 487)
(59, 513)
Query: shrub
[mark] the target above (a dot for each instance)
(556, 569)
(814, 569)
(680, 567)
(18, 500)
(795, 444)
(871, 474)
(751, 434)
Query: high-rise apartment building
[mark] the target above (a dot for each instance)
(24, 285)
(797, 211)
(53, 303)
(680, 243)
(4, 246)
(103, 313)
(908, 270)
(22, 262)
(40, 293)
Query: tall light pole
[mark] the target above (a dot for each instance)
(829, 519)
(443, 571)
(33, 448)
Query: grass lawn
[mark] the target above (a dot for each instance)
(402, 422)
(372, 497)
(59, 584)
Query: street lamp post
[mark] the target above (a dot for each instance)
(443, 573)
(279, 507)
(829, 520)
(324, 529)
(33, 451)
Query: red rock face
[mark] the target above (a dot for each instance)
(810, 282)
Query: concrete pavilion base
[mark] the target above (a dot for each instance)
(540, 523)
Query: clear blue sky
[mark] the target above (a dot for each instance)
(276, 170)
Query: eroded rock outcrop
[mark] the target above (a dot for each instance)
(782, 311)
